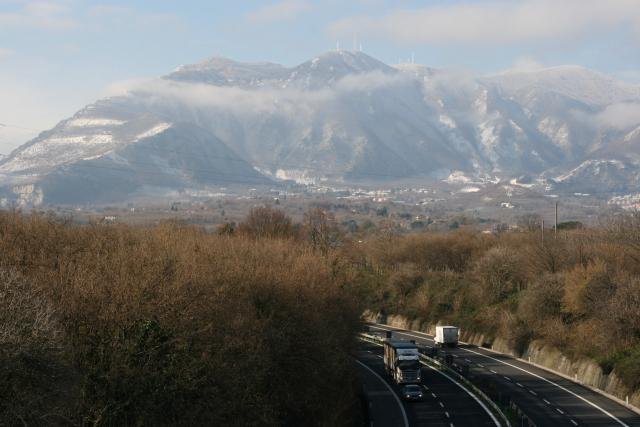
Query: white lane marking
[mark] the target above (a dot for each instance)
(425, 387)
(492, 371)
(482, 366)
(467, 360)
(604, 411)
(446, 414)
(434, 395)
(441, 404)
(546, 401)
(573, 422)
(533, 392)
(506, 378)
(377, 355)
(404, 413)
(560, 410)
(480, 402)
(519, 385)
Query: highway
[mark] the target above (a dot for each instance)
(546, 398)
(445, 403)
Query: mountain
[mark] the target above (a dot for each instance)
(341, 117)
(225, 72)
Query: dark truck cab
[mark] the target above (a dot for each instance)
(402, 361)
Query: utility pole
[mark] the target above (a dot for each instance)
(555, 229)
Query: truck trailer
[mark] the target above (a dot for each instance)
(402, 361)
(446, 336)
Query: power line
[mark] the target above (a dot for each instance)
(240, 160)
(252, 179)
(279, 165)
(7, 125)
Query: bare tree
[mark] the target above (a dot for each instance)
(321, 229)
(267, 222)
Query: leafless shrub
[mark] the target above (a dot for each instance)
(498, 274)
(27, 322)
(267, 222)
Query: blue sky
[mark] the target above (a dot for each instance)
(58, 55)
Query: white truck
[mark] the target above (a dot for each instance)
(446, 336)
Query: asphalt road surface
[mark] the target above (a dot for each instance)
(445, 403)
(547, 399)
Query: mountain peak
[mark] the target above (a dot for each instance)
(353, 60)
(582, 84)
(223, 71)
(329, 67)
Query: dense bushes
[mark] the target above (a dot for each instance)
(111, 325)
(579, 292)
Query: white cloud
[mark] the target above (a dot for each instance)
(282, 11)
(109, 16)
(70, 15)
(41, 14)
(620, 116)
(498, 21)
(291, 101)
(630, 76)
(242, 101)
(526, 63)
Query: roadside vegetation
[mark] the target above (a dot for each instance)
(579, 292)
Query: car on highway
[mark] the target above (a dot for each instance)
(412, 392)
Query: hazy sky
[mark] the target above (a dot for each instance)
(58, 55)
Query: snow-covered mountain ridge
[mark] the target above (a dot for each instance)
(339, 117)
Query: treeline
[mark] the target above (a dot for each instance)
(579, 292)
(169, 325)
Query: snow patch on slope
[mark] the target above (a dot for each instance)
(555, 130)
(595, 165)
(447, 121)
(299, 176)
(157, 129)
(633, 134)
(458, 177)
(94, 122)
